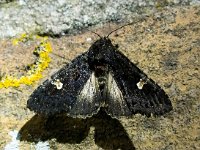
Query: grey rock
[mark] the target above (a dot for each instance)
(60, 17)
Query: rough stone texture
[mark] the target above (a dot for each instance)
(165, 45)
(64, 17)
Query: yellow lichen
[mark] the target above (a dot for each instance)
(35, 72)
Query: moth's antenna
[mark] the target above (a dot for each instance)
(96, 34)
(118, 29)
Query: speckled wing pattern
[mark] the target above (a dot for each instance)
(147, 99)
(49, 99)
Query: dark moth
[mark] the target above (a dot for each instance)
(103, 78)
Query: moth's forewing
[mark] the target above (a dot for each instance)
(61, 94)
(141, 94)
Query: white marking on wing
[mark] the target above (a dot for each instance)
(141, 83)
(58, 84)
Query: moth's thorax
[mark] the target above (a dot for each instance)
(101, 52)
(99, 56)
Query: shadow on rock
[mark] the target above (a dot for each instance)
(109, 133)
(64, 129)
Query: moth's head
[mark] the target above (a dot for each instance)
(101, 44)
(101, 51)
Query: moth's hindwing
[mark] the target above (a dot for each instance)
(139, 93)
(88, 100)
(116, 103)
(63, 92)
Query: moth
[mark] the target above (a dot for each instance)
(101, 78)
